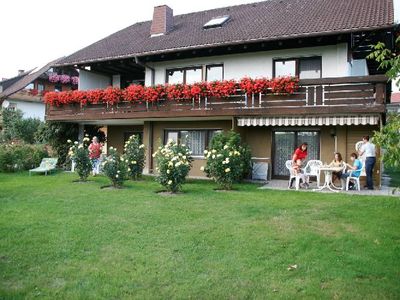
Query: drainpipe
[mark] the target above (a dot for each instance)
(153, 71)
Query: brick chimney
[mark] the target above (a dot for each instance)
(163, 20)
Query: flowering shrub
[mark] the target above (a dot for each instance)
(138, 93)
(79, 153)
(74, 80)
(222, 89)
(228, 161)
(112, 95)
(54, 77)
(65, 79)
(115, 167)
(135, 155)
(134, 93)
(173, 165)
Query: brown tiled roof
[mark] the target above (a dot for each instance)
(268, 20)
(27, 79)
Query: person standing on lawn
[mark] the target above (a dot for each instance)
(370, 159)
(299, 153)
(95, 150)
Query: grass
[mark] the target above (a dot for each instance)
(67, 240)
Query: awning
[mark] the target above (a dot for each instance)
(310, 120)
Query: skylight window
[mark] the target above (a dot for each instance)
(216, 22)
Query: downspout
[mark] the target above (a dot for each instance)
(153, 71)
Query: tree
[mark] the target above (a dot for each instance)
(388, 60)
(389, 136)
(18, 128)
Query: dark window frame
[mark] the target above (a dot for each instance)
(184, 72)
(297, 63)
(42, 84)
(179, 131)
(214, 65)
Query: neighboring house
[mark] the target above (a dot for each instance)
(342, 96)
(25, 91)
(394, 105)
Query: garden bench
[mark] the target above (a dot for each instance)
(47, 165)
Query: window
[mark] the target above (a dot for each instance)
(193, 75)
(216, 22)
(196, 140)
(285, 68)
(40, 87)
(305, 67)
(184, 75)
(58, 88)
(310, 67)
(214, 72)
(12, 106)
(175, 76)
(30, 86)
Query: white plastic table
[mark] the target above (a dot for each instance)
(328, 177)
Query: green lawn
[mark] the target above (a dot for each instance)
(60, 239)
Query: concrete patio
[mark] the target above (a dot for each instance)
(385, 190)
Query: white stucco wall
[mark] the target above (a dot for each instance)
(258, 64)
(89, 80)
(30, 109)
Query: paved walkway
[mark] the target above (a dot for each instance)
(277, 184)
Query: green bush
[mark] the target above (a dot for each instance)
(15, 127)
(173, 165)
(228, 160)
(135, 154)
(18, 157)
(79, 153)
(55, 134)
(115, 167)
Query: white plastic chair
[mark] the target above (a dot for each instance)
(288, 165)
(313, 168)
(354, 178)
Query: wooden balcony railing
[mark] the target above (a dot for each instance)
(364, 94)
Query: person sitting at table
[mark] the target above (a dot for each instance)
(337, 162)
(355, 171)
(298, 172)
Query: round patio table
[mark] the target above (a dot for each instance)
(328, 177)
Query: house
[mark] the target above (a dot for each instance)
(341, 96)
(394, 105)
(26, 90)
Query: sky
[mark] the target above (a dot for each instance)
(35, 32)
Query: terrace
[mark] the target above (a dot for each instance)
(365, 94)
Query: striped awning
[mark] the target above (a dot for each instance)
(310, 120)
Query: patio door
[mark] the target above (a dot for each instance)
(284, 144)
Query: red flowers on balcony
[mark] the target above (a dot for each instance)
(138, 93)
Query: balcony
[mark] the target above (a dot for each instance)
(343, 95)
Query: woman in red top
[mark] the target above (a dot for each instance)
(300, 153)
(95, 150)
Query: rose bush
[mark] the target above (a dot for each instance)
(228, 160)
(79, 153)
(135, 155)
(173, 165)
(115, 167)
